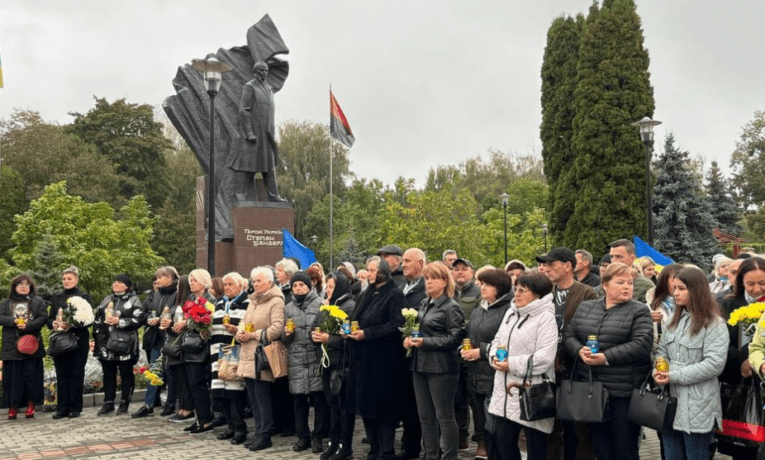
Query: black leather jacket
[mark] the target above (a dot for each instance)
(442, 325)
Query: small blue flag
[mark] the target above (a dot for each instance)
(296, 249)
(642, 249)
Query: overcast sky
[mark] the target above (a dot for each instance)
(422, 83)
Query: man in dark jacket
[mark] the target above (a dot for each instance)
(468, 295)
(414, 292)
(583, 269)
(567, 295)
(393, 255)
(624, 251)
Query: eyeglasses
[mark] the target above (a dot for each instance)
(24, 284)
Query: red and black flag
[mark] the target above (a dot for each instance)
(338, 124)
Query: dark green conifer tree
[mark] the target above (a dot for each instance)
(613, 91)
(682, 221)
(559, 78)
(721, 204)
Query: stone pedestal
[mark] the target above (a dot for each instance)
(257, 230)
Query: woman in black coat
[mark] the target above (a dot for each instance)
(119, 317)
(22, 314)
(435, 363)
(497, 295)
(70, 367)
(624, 331)
(376, 360)
(341, 421)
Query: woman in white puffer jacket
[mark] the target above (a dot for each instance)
(528, 328)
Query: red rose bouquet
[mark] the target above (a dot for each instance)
(198, 315)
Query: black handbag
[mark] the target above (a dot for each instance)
(120, 342)
(172, 347)
(192, 343)
(62, 342)
(582, 401)
(653, 408)
(537, 401)
(261, 361)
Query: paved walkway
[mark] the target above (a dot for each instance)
(153, 438)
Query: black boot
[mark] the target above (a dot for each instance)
(106, 408)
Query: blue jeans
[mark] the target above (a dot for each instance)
(151, 391)
(262, 411)
(679, 445)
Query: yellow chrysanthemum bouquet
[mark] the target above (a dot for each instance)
(332, 319)
(746, 318)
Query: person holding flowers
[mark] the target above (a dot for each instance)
(304, 378)
(435, 362)
(740, 309)
(748, 288)
(331, 350)
(195, 331)
(115, 331)
(694, 345)
(22, 315)
(70, 366)
(264, 314)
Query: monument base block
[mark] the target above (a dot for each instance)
(258, 240)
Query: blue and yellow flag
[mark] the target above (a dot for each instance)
(1, 73)
(296, 249)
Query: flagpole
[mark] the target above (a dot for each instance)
(331, 198)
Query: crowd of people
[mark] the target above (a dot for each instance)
(481, 336)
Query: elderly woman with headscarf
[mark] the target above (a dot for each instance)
(341, 422)
(70, 366)
(115, 331)
(376, 359)
(22, 315)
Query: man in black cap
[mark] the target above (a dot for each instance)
(567, 295)
(393, 255)
(468, 295)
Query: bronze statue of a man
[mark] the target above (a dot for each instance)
(257, 152)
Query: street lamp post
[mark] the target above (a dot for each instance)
(544, 233)
(213, 70)
(504, 197)
(314, 239)
(646, 135)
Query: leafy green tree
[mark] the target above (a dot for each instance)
(748, 163)
(721, 204)
(486, 179)
(303, 172)
(32, 147)
(13, 201)
(613, 91)
(683, 224)
(175, 231)
(559, 80)
(60, 230)
(357, 219)
(434, 221)
(129, 137)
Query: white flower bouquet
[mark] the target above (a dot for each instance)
(78, 312)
